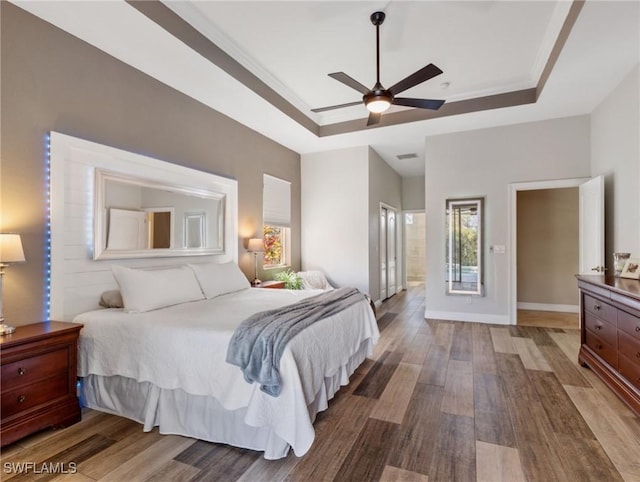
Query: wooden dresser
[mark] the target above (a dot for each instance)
(38, 379)
(610, 333)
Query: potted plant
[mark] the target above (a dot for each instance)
(291, 280)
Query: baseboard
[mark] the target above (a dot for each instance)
(549, 307)
(377, 303)
(473, 317)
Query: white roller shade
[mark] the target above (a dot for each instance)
(276, 198)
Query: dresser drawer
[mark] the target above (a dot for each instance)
(604, 330)
(603, 349)
(601, 309)
(629, 347)
(28, 370)
(21, 399)
(629, 370)
(629, 323)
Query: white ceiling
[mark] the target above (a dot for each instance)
(483, 47)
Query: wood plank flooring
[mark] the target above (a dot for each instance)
(438, 401)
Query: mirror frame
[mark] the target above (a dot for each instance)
(479, 201)
(100, 250)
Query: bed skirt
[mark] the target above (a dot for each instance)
(180, 413)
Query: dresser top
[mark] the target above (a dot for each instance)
(624, 286)
(37, 331)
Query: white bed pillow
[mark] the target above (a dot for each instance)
(146, 290)
(220, 278)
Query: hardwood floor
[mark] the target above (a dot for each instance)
(439, 401)
(548, 319)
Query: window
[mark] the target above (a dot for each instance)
(274, 246)
(276, 215)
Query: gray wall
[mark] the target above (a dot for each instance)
(483, 163)
(413, 193)
(385, 185)
(53, 81)
(615, 153)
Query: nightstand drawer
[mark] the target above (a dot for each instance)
(21, 399)
(601, 309)
(602, 349)
(28, 370)
(604, 330)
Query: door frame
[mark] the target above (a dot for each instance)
(405, 283)
(513, 229)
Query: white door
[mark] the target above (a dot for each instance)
(127, 229)
(592, 226)
(388, 255)
(391, 253)
(383, 253)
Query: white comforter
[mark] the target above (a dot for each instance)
(185, 346)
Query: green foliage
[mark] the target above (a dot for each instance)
(272, 236)
(291, 280)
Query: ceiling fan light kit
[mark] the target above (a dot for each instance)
(379, 99)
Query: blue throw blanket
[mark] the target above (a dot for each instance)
(257, 344)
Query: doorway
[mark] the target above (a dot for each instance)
(590, 249)
(548, 257)
(415, 247)
(388, 251)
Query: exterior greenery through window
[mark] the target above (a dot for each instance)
(274, 246)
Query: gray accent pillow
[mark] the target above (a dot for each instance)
(111, 299)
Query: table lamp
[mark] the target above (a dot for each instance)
(10, 252)
(255, 246)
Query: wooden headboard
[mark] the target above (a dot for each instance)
(76, 279)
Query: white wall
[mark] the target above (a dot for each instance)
(335, 215)
(483, 163)
(615, 153)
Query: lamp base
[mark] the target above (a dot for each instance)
(6, 329)
(256, 282)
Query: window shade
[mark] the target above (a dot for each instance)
(276, 199)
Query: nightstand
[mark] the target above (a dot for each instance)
(38, 379)
(271, 284)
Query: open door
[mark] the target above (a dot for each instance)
(592, 226)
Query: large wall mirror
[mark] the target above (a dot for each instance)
(136, 218)
(464, 246)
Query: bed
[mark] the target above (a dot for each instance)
(166, 366)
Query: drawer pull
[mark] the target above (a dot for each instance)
(21, 371)
(638, 355)
(598, 346)
(597, 307)
(21, 398)
(598, 327)
(637, 329)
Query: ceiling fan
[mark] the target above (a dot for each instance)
(379, 99)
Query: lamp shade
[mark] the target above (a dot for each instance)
(255, 244)
(11, 248)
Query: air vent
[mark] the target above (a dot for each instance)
(411, 155)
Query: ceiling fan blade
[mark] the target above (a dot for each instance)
(425, 73)
(339, 106)
(349, 81)
(374, 118)
(419, 103)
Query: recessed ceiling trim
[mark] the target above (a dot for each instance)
(490, 102)
(187, 34)
(190, 36)
(569, 22)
